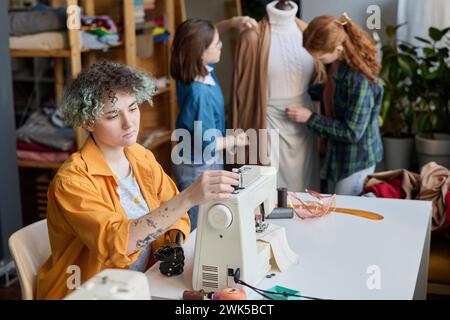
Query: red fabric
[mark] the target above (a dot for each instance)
(446, 224)
(392, 189)
(42, 156)
(21, 145)
(447, 210)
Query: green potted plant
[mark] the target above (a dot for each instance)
(397, 68)
(430, 94)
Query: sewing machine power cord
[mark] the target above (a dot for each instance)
(237, 275)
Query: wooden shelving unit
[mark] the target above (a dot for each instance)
(40, 53)
(175, 13)
(76, 54)
(73, 52)
(164, 110)
(36, 175)
(38, 164)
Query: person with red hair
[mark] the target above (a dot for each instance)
(352, 133)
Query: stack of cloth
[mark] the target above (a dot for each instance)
(40, 18)
(40, 152)
(432, 184)
(44, 28)
(21, 4)
(98, 32)
(160, 34)
(139, 12)
(44, 137)
(143, 9)
(146, 20)
(40, 28)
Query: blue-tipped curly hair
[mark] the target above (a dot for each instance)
(84, 98)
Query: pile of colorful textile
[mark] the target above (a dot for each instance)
(98, 32)
(432, 184)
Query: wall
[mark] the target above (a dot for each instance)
(215, 12)
(356, 9)
(10, 214)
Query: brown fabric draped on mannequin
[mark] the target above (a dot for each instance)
(250, 93)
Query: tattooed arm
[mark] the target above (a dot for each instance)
(209, 186)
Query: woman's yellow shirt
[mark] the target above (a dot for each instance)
(87, 226)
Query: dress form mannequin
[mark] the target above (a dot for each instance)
(283, 5)
(290, 69)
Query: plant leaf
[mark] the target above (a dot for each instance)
(444, 31)
(390, 31)
(433, 120)
(423, 120)
(435, 34)
(407, 64)
(429, 52)
(423, 40)
(386, 104)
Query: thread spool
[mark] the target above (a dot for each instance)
(233, 294)
(213, 295)
(282, 197)
(193, 295)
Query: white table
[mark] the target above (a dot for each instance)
(340, 254)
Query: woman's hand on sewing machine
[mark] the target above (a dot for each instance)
(212, 185)
(298, 113)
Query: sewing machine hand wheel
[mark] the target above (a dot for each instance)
(220, 217)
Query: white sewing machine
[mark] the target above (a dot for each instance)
(226, 233)
(113, 284)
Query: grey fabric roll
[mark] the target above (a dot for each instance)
(31, 22)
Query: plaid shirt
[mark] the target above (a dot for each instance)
(353, 135)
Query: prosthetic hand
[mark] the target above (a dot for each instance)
(171, 256)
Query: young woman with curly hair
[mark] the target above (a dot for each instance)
(353, 136)
(110, 204)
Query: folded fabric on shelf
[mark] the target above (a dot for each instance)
(31, 22)
(39, 41)
(98, 32)
(38, 129)
(21, 145)
(91, 41)
(42, 156)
